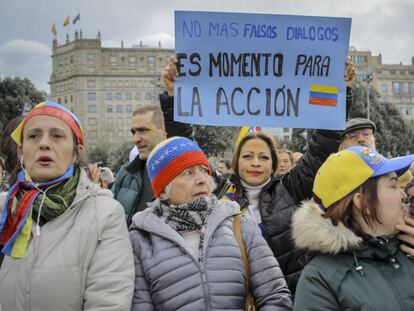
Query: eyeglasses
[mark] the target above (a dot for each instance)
(366, 133)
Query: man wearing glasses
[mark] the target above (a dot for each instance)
(358, 132)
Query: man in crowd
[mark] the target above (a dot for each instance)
(224, 167)
(358, 132)
(132, 187)
(150, 125)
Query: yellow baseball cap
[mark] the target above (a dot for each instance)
(348, 169)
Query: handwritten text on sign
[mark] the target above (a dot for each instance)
(261, 70)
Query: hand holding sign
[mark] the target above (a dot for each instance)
(350, 72)
(169, 74)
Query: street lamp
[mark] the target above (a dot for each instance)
(368, 79)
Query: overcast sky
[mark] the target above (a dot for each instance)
(382, 26)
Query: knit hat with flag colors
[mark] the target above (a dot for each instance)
(169, 158)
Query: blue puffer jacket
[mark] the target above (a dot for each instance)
(168, 277)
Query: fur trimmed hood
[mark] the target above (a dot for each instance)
(315, 233)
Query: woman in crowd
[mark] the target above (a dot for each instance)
(271, 200)
(352, 222)
(8, 151)
(285, 161)
(186, 253)
(65, 241)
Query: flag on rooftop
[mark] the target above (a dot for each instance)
(76, 19)
(67, 21)
(54, 31)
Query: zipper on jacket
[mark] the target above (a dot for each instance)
(205, 288)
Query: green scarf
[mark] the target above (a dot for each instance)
(57, 200)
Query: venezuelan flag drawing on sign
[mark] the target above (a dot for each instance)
(323, 95)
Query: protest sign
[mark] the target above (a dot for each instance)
(260, 69)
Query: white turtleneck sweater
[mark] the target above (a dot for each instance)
(253, 193)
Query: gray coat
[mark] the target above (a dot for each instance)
(168, 277)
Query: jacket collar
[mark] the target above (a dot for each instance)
(148, 221)
(136, 165)
(378, 248)
(313, 232)
(87, 188)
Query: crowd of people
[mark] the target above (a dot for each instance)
(272, 229)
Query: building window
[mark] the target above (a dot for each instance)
(138, 96)
(406, 88)
(402, 72)
(92, 121)
(132, 60)
(92, 108)
(109, 108)
(118, 108)
(119, 121)
(396, 88)
(59, 100)
(91, 58)
(128, 108)
(110, 121)
(108, 96)
(118, 96)
(92, 134)
(406, 100)
(91, 96)
(112, 60)
(128, 96)
(148, 96)
(110, 134)
(384, 88)
(393, 72)
(120, 133)
(91, 83)
(71, 98)
(151, 60)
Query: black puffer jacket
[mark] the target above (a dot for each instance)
(280, 197)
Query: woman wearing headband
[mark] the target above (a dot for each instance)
(351, 223)
(64, 239)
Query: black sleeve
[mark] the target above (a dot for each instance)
(349, 101)
(172, 127)
(299, 181)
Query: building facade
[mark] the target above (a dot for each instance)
(103, 86)
(394, 82)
